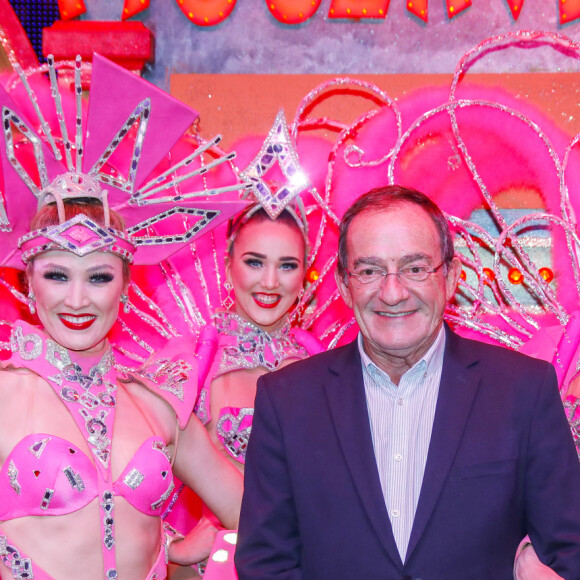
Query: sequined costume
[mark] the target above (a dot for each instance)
(243, 345)
(46, 475)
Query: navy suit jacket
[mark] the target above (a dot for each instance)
(501, 464)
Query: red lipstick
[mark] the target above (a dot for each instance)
(84, 320)
(268, 304)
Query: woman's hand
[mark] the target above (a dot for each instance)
(529, 567)
(196, 546)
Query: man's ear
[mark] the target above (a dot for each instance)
(452, 277)
(343, 287)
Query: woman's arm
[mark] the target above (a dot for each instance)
(201, 467)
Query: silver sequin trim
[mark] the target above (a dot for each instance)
(157, 504)
(29, 347)
(20, 567)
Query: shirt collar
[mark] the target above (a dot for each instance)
(431, 361)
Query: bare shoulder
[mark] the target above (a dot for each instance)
(11, 377)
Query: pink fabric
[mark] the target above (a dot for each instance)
(19, 563)
(46, 475)
(220, 565)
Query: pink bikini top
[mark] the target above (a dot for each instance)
(46, 475)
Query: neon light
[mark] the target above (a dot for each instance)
(358, 9)
(292, 11)
(206, 12)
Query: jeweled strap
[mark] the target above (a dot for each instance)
(17, 562)
(107, 507)
(89, 397)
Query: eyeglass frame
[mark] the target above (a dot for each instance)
(400, 276)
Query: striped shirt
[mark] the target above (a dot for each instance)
(401, 419)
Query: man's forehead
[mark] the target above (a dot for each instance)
(397, 211)
(406, 214)
(404, 232)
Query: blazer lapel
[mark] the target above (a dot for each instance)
(459, 384)
(347, 402)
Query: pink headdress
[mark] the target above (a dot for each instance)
(129, 129)
(275, 195)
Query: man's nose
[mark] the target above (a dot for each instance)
(392, 290)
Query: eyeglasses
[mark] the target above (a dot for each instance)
(409, 275)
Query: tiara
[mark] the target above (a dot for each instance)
(128, 131)
(274, 196)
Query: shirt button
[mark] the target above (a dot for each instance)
(395, 513)
(398, 457)
(400, 402)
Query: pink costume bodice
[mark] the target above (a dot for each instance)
(46, 475)
(243, 345)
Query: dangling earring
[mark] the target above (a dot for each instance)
(125, 303)
(300, 295)
(31, 302)
(299, 308)
(228, 301)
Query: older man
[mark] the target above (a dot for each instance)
(410, 453)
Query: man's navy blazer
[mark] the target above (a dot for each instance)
(501, 465)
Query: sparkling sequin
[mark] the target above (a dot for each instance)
(163, 448)
(201, 409)
(29, 347)
(107, 507)
(235, 439)
(47, 498)
(74, 479)
(19, 566)
(37, 448)
(168, 375)
(278, 148)
(255, 348)
(134, 478)
(13, 477)
(157, 504)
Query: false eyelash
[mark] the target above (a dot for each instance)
(54, 275)
(103, 277)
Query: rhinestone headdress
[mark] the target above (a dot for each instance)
(271, 195)
(129, 129)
